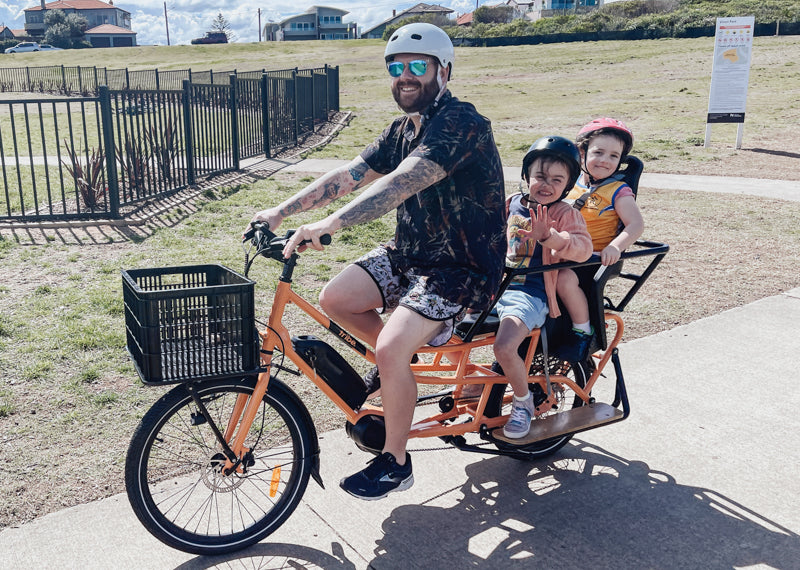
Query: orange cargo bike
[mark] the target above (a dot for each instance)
(223, 458)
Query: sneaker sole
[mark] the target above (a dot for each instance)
(516, 435)
(405, 484)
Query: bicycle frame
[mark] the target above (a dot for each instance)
(451, 364)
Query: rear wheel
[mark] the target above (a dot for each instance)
(174, 468)
(565, 399)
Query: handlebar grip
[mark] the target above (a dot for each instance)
(254, 227)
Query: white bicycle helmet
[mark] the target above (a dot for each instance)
(421, 38)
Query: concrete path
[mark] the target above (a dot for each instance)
(704, 474)
(780, 189)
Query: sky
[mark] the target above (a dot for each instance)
(189, 19)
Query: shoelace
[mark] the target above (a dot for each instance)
(520, 415)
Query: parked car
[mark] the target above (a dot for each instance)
(24, 46)
(212, 38)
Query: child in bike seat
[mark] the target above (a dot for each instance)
(608, 206)
(542, 229)
(606, 202)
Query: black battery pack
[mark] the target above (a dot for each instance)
(332, 368)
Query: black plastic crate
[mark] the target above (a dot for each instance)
(195, 322)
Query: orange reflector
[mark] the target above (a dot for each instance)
(276, 478)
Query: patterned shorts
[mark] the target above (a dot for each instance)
(410, 290)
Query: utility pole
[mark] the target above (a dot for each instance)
(259, 24)
(166, 21)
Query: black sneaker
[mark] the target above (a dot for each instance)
(577, 350)
(381, 476)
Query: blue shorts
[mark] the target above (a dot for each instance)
(530, 309)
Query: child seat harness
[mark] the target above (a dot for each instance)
(581, 202)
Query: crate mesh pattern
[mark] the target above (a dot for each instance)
(187, 323)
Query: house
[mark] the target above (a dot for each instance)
(464, 19)
(316, 23)
(534, 9)
(108, 35)
(107, 24)
(417, 10)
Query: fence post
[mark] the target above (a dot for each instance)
(296, 107)
(158, 80)
(187, 127)
(234, 120)
(327, 90)
(110, 150)
(80, 81)
(265, 114)
(96, 86)
(127, 79)
(63, 79)
(313, 101)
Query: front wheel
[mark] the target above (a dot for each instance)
(566, 399)
(174, 477)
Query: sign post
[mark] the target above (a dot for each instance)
(733, 46)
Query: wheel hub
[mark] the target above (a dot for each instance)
(213, 476)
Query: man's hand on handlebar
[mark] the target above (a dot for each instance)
(270, 216)
(310, 235)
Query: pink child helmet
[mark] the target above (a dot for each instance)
(606, 125)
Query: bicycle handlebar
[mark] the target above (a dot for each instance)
(270, 245)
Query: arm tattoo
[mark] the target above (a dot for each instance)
(390, 192)
(316, 195)
(358, 171)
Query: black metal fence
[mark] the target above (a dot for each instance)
(88, 156)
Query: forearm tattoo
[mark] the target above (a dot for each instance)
(315, 196)
(387, 194)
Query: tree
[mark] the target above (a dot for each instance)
(221, 25)
(493, 15)
(64, 31)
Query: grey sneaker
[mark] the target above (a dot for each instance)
(519, 423)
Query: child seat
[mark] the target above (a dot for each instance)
(593, 278)
(591, 281)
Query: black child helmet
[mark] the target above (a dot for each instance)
(557, 147)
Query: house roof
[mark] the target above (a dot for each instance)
(109, 29)
(420, 8)
(464, 19)
(315, 9)
(75, 5)
(15, 33)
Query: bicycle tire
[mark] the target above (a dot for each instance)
(172, 468)
(577, 371)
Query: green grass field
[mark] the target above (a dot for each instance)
(659, 87)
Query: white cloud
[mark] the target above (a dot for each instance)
(192, 18)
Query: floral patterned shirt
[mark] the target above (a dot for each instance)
(454, 230)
